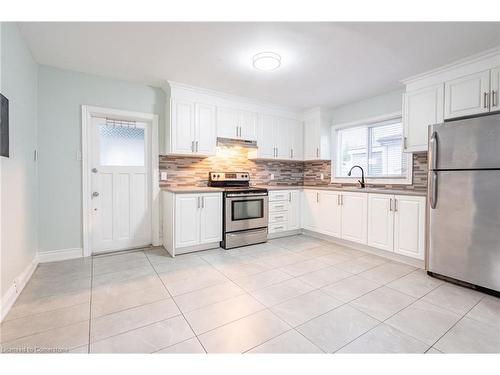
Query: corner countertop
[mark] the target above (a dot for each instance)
(207, 189)
(351, 189)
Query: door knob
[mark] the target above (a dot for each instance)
(95, 194)
(94, 170)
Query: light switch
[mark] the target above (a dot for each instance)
(163, 175)
(272, 176)
(322, 176)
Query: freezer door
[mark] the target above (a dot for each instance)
(472, 143)
(464, 226)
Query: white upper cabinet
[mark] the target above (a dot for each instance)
(421, 108)
(205, 129)
(182, 127)
(409, 226)
(278, 138)
(192, 128)
(267, 130)
(296, 140)
(354, 216)
(282, 138)
(236, 124)
(317, 133)
(248, 125)
(467, 95)
(495, 88)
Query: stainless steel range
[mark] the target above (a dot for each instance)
(245, 209)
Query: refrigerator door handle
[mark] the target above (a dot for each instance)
(433, 190)
(433, 150)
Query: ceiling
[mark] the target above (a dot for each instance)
(325, 64)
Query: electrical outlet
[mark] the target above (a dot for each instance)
(322, 176)
(163, 175)
(272, 176)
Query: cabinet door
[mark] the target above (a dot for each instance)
(211, 218)
(312, 137)
(205, 129)
(310, 210)
(267, 130)
(282, 138)
(187, 220)
(182, 127)
(227, 123)
(354, 217)
(495, 88)
(330, 214)
(296, 140)
(422, 108)
(294, 210)
(248, 124)
(409, 226)
(381, 221)
(467, 95)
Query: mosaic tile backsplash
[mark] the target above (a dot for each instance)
(189, 171)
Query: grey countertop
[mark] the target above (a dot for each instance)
(206, 189)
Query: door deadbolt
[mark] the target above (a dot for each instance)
(94, 170)
(95, 194)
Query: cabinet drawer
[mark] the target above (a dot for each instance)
(278, 217)
(276, 196)
(278, 206)
(275, 228)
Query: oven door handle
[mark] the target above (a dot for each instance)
(246, 195)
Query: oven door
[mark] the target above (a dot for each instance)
(245, 212)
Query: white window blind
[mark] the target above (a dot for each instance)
(376, 147)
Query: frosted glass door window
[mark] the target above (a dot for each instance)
(121, 146)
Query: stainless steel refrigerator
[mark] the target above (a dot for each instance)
(463, 215)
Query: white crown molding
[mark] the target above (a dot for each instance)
(492, 52)
(10, 297)
(229, 97)
(57, 255)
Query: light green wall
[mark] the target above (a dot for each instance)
(61, 95)
(19, 171)
(372, 107)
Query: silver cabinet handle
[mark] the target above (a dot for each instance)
(317, 197)
(289, 197)
(197, 202)
(291, 153)
(276, 151)
(485, 99)
(317, 152)
(192, 146)
(494, 99)
(341, 199)
(196, 146)
(338, 200)
(395, 205)
(390, 204)
(202, 202)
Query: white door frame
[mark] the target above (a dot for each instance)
(87, 113)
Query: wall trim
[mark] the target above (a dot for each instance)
(57, 255)
(10, 297)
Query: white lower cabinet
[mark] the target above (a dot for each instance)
(354, 216)
(284, 211)
(191, 222)
(396, 223)
(330, 213)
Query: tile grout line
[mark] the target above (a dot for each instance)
(181, 312)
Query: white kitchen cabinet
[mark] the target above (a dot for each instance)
(495, 89)
(278, 138)
(354, 216)
(381, 221)
(284, 211)
(182, 127)
(267, 133)
(294, 206)
(236, 124)
(205, 129)
(467, 95)
(317, 135)
(310, 210)
(409, 226)
(191, 222)
(296, 140)
(421, 108)
(192, 128)
(282, 138)
(330, 213)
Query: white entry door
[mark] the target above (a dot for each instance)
(121, 184)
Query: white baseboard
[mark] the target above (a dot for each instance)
(56, 255)
(10, 297)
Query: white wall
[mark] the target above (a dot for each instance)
(372, 107)
(61, 95)
(19, 171)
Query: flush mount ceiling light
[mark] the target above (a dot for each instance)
(266, 61)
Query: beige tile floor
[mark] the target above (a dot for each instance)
(291, 295)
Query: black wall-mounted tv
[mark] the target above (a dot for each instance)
(4, 126)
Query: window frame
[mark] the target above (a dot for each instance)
(404, 180)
